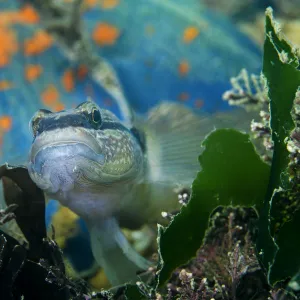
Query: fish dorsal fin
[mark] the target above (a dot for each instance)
(173, 137)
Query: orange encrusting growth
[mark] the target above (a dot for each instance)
(90, 3)
(9, 17)
(50, 98)
(28, 15)
(50, 95)
(33, 72)
(38, 43)
(189, 34)
(8, 38)
(8, 45)
(105, 34)
(5, 123)
(68, 80)
(82, 72)
(183, 96)
(199, 103)
(58, 106)
(183, 68)
(108, 4)
(5, 85)
(5, 126)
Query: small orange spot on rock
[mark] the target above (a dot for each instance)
(8, 45)
(9, 17)
(58, 107)
(82, 72)
(5, 123)
(184, 67)
(33, 72)
(198, 103)
(109, 4)
(68, 81)
(50, 95)
(38, 43)
(189, 34)
(90, 3)
(183, 96)
(28, 15)
(4, 60)
(5, 85)
(105, 34)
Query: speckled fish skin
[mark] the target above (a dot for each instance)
(88, 161)
(113, 176)
(75, 156)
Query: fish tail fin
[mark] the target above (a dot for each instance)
(114, 254)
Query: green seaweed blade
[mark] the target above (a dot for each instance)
(232, 174)
(283, 79)
(287, 262)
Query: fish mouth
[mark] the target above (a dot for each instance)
(58, 156)
(65, 136)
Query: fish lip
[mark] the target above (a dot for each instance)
(53, 166)
(64, 136)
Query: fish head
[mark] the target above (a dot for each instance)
(86, 148)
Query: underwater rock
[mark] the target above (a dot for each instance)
(171, 50)
(226, 266)
(178, 54)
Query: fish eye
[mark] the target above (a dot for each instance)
(96, 116)
(35, 120)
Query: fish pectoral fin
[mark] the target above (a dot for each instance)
(173, 134)
(114, 254)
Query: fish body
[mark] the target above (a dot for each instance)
(89, 161)
(72, 154)
(113, 176)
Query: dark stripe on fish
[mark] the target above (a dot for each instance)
(76, 120)
(83, 120)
